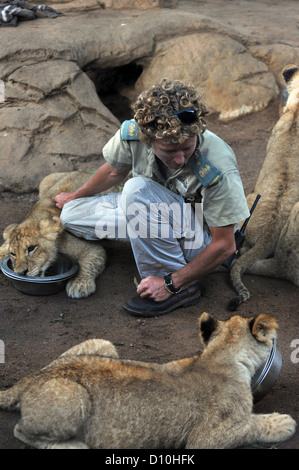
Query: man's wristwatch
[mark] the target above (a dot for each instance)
(169, 286)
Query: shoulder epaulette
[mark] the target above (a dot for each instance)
(207, 173)
(129, 130)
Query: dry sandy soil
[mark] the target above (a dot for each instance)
(36, 329)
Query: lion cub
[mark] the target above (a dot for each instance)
(34, 243)
(88, 398)
(271, 247)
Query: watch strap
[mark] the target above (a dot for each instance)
(169, 285)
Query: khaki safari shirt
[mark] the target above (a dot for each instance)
(224, 202)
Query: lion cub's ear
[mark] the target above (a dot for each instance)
(207, 325)
(288, 72)
(8, 231)
(263, 328)
(51, 228)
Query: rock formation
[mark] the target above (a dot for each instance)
(54, 73)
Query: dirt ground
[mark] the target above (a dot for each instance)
(36, 329)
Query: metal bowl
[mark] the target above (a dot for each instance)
(54, 280)
(266, 376)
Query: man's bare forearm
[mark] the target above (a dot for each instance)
(104, 178)
(220, 248)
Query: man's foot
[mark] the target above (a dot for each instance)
(149, 308)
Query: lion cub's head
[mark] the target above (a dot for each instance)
(247, 341)
(33, 245)
(291, 78)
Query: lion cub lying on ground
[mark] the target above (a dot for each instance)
(271, 247)
(34, 243)
(88, 398)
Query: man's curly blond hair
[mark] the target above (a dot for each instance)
(164, 99)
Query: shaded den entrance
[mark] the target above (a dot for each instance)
(114, 86)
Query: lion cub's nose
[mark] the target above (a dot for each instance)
(21, 271)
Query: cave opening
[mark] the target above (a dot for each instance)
(115, 87)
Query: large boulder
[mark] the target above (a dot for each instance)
(56, 123)
(275, 56)
(233, 81)
(51, 70)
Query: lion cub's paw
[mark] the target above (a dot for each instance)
(280, 427)
(79, 288)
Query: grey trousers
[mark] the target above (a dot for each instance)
(165, 232)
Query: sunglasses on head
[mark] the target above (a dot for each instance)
(186, 116)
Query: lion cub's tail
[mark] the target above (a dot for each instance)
(10, 399)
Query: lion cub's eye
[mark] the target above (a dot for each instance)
(31, 248)
(12, 253)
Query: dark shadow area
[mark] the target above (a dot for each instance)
(111, 82)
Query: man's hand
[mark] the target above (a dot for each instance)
(153, 288)
(104, 178)
(62, 199)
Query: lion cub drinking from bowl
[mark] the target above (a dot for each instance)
(88, 398)
(33, 244)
